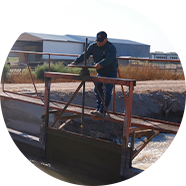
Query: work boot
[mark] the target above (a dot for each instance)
(97, 113)
(93, 111)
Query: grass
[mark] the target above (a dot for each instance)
(139, 73)
(148, 72)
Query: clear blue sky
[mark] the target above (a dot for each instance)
(159, 23)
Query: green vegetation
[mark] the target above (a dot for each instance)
(6, 70)
(58, 67)
(137, 72)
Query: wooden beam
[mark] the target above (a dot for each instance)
(64, 124)
(133, 129)
(53, 111)
(143, 144)
(142, 133)
(66, 117)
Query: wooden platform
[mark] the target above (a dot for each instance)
(143, 123)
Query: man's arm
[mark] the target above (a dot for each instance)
(97, 66)
(81, 57)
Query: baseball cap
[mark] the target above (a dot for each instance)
(101, 36)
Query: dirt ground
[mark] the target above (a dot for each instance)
(155, 99)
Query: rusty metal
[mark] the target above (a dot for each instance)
(76, 109)
(30, 74)
(67, 104)
(114, 99)
(76, 55)
(125, 82)
(91, 79)
(128, 114)
(49, 62)
(83, 105)
(80, 66)
(43, 53)
(21, 94)
(128, 105)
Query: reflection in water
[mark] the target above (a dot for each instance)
(16, 170)
(165, 155)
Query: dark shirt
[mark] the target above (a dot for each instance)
(105, 56)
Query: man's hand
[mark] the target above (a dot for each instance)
(97, 66)
(73, 63)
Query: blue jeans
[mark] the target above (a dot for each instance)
(105, 95)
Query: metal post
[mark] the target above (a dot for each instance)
(128, 114)
(85, 55)
(83, 105)
(114, 99)
(43, 133)
(83, 97)
(30, 73)
(49, 62)
(85, 71)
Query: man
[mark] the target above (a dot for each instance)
(106, 64)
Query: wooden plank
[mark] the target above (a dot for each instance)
(142, 133)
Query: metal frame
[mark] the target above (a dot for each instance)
(128, 100)
(127, 153)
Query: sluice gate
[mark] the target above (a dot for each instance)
(96, 156)
(100, 158)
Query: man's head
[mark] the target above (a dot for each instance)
(101, 38)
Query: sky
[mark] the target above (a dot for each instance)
(160, 24)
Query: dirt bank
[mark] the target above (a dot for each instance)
(156, 99)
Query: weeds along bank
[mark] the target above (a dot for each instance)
(139, 73)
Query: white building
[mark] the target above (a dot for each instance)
(165, 56)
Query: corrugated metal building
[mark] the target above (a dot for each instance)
(71, 44)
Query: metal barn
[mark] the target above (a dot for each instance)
(70, 44)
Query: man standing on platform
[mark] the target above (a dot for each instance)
(106, 64)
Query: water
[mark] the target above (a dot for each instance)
(165, 155)
(16, 170)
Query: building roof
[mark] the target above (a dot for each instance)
(69, 38)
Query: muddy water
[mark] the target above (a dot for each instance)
(165, 156)
(16, 170)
